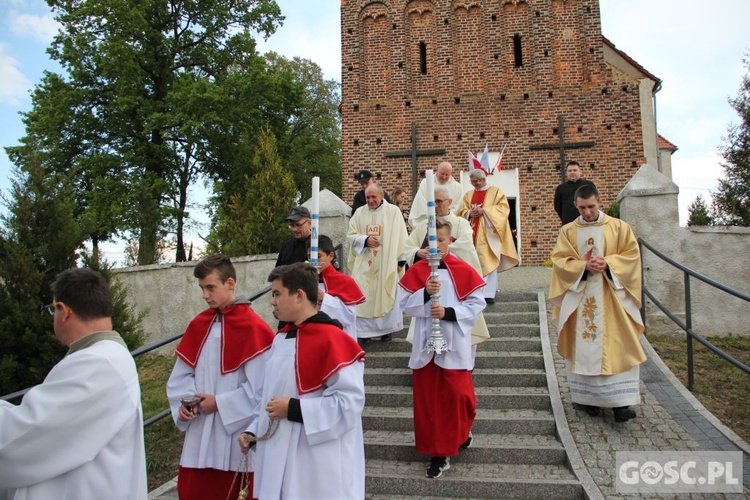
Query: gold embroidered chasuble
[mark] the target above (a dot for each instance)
(598, 318)
(376, 269)
(494, 240)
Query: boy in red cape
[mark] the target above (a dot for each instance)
(338, 293)
(220, 364)
(312, 400)
(443, 392)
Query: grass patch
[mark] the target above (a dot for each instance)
(722, 388)
(163, 440)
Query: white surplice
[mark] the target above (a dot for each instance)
(211, 440)
(457, 334)
(336, 309)
(79, 434)
(322, 458)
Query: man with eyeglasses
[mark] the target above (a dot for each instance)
(79, 434)
(295, 248)
(486, 208)
(443, 178)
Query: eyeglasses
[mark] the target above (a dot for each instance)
(51, 308)
(440, 201)
(301, 223)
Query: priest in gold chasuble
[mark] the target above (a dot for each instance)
(596, 290)
(487, 209)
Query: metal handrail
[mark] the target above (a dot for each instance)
(338, 249)
(687, 326)
(144, 350)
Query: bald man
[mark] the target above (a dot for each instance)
(443, 178)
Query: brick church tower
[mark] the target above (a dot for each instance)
(429, 80)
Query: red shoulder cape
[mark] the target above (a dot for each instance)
(322, 350)
(465, 279)
(244, 335)
(342, 286)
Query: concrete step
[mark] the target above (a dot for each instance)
(505, 297)
(510, 377)
(486, 448)
(531, 398)
(496, 343)
(513, 329)
(393, 478)
(503, 317)
(488, 420)
(484, 359)
(531, 306)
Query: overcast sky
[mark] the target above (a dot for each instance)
(695, 48)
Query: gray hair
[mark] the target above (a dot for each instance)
(477, 173)
(441, 189)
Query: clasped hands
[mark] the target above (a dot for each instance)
(596, 264)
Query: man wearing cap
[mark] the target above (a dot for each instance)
(295, 248)
(364, 178)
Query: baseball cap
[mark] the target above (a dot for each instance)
(298, 213)
(364, 176)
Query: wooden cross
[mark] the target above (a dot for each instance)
(414, 153)
(562, 145)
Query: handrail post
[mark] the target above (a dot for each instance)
(643, 285)
(689, 324)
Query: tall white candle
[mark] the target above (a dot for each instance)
(431, 220)
(315, 221)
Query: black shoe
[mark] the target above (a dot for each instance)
(489, 301)
(467, 444)
(594, 411)
(362, 342)
(438, 465)
(624, 413)
(386, 338)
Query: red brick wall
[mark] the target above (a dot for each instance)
(473, 94)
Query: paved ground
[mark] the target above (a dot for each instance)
(669, 417)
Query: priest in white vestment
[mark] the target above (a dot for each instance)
(79, 434)
(596, 290)
(444, 179)
(376, 237)
(461, 246)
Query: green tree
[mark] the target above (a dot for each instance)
(253, 220)
(310, 142)
(731, 202)
(39, 238)
(114, 116)
(698, 213)
(295, 102)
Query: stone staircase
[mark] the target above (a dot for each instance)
(516, 452)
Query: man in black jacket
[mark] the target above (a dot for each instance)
(295, 249)
(565, 193)
(364, 178)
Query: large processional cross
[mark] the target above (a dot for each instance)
(414, 153)
(562, 145)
